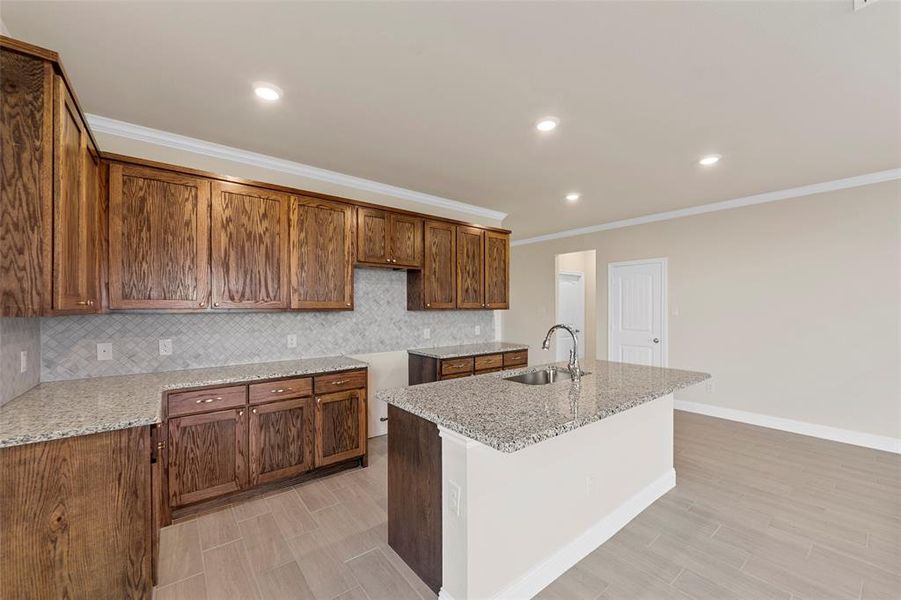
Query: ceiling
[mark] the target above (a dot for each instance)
(442, 97)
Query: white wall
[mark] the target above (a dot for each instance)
(793, 306)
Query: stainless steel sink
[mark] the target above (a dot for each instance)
(542, 377)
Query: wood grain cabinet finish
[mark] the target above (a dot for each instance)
(75, 200)
(158, 239)
(405, 240)
(372, 236)
(435, 285)
(281, 440)
(340, 426)
(207, 456)
(75, 517)
(249, 255)
(388, 239)
(26, 183)
(497, 270)
(470, 267)
(322, 242)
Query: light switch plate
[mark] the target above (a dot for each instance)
(478, 329)
(165, 347)
(453, 498)
(292, 340)
(23, 361)
(105, 351)
(426, 333)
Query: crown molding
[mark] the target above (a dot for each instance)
(797, 192)
(180, 142)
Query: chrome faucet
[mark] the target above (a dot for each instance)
(575, 370)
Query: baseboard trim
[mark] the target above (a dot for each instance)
(443, 595)
(835, 434)
(539, 577)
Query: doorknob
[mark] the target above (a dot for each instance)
(656, 340)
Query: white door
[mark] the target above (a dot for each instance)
(637, 312)
(570, 310)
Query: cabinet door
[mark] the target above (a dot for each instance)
(439, 265)
(497, 270)
(158, 239)
(321, 254)
(405, 235)
(340, 426)
(74, 209)
(281, 439)
(207, 456)
(249, 228)
(372, 236)
(470, 267)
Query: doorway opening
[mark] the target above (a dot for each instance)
(576, 303)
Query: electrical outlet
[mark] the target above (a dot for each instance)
(105, 351)
(426, 333)
(453, 498)
(292, 340)
(23, 361)
(478, 329)
(165, 347)
(710, 386)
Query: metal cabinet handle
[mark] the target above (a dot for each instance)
(428, 303)
(280, 391)
(207, 400)
(348, 303)
(215, 304)
(85, 303)
(202, 304)
(340, 381)
(318, 400)
(240, 413)
(254, 411)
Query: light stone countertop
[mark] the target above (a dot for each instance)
(468, 349)
(62, 409)
(509, 416)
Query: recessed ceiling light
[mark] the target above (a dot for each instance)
(267, 91)
(710, 159)
(573, 196)
(547, 124)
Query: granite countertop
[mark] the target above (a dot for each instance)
(509, 416)
(468, 349)
(62, 409)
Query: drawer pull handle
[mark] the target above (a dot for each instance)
(280, 391)
(340, 381)
(207, 400)
(254, 411)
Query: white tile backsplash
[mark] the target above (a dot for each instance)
(380, 322)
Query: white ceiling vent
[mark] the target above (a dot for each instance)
(858, 4)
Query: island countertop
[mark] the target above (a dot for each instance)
(60, 409)
(461, 350)
(509, 416)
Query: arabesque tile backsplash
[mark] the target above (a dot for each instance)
(380, 322)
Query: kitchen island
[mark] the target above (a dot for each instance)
(496, 487)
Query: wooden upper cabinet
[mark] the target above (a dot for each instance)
(435, 286)
(405, 240)
(340, 426)
(497, 270)
(322, 234)
(158, 239)
(75, 225)
(207, 456)
(372, 236)
(388, 239)
(281, 440)
(470, 267)
(249, 255)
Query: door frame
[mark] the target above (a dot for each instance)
(557, 318)
(664, 288)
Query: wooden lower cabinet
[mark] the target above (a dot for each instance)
(207, 456)
(426, 369)
(281, 440)
(75, 517)
(340, 426)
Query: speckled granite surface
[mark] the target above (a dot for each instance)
(468, 349)
(67, 408)
(509, 416)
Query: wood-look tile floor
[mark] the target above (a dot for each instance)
(757, 513)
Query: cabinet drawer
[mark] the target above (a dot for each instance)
(516, 359)
(199, 401)
(281, 389)
(489, 361)
(454, 366)
(337, 382)
(454, 376)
